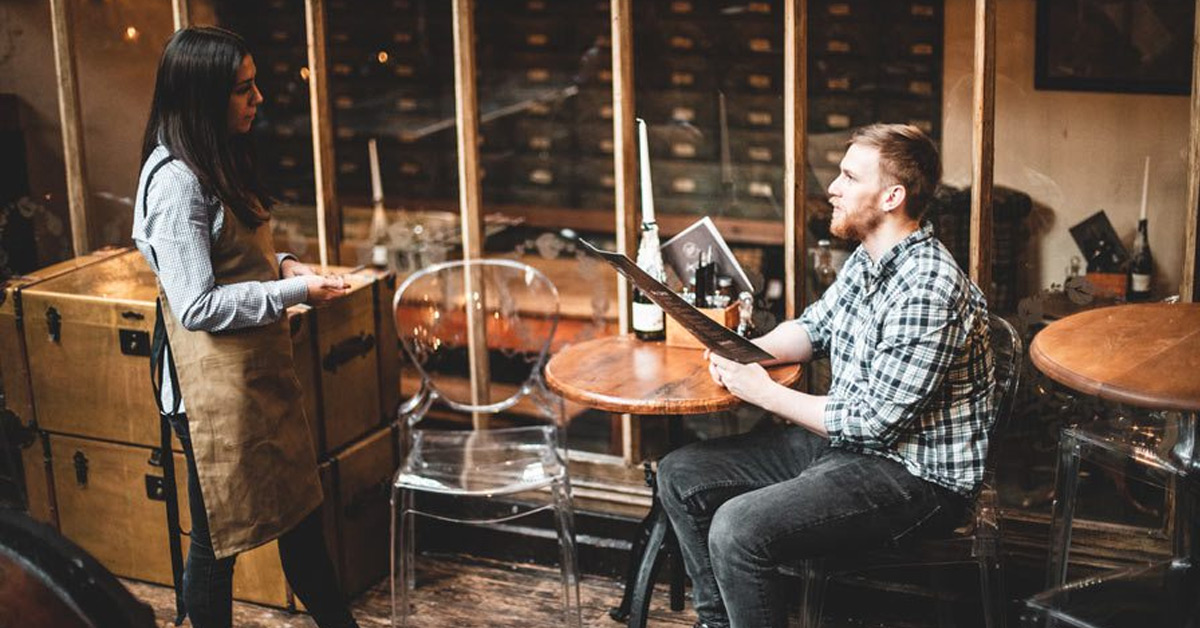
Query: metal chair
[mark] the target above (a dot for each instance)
(506, 313)
(977, 541)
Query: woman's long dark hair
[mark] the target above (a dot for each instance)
(189, 115)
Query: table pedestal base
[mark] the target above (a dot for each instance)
(655, 540)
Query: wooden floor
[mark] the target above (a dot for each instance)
(463, 592)
(455, 592)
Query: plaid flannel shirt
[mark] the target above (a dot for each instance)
(907, 339)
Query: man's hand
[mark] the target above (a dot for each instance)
(748, 382)
(291, 267)
(322, 290)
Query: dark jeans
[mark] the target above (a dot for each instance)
(741, 506)
(208, 582)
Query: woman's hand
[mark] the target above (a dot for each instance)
(322, 290)
(292, 267)
(748, 382)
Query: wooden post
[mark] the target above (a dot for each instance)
(795, 152)
(982, 144)
(469, 195)
(70, 116)
(329, 213)
(625, 177)
(1188, 284)
(179, 10)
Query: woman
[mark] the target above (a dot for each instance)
(231, 393)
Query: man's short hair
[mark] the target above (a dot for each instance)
(906, 157)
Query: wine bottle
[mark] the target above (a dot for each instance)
(648, 321)
(1141, 266)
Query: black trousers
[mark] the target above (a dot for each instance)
(208, 582)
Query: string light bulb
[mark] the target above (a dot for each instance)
(382, 57)
(131, 34)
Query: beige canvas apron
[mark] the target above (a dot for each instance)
(254, 455)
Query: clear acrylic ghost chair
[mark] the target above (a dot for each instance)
(977, 541)
(514, 309)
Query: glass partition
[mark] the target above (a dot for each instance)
(116, 56)
(275, 33)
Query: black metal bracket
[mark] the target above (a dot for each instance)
(54, 324)
(81, 468)
(346, 350)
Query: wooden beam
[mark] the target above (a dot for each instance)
(795, 151)
(467, 118)
(624, 146)
(470, 194)
(180, 13)
(625, 177)
(982, 143)
(329, 213)
(1189, 285)
(70, 116)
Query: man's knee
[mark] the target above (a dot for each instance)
(732, 533)
(676, 475)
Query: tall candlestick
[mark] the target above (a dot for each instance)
(1145, 186)
(644, 161)
(376, 183)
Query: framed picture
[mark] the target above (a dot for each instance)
(1137, 46)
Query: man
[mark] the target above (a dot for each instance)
(896, 448)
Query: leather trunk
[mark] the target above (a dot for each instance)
(110, 503)
(357, 483)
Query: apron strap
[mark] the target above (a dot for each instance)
(160, 359)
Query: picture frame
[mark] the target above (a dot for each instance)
(1125, 46)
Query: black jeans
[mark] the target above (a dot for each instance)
(208, 582)
(742, 506)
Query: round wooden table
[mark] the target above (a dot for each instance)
(1146, 355)
(624, 374)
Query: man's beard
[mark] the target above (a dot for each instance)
(856, 224)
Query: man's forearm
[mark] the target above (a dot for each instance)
(803, 409)
(788, 342)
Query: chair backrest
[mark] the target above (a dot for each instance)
(49, 582)
(516, 309)
(1007, 350)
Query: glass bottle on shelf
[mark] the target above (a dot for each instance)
(1141, 266)
(824, 271)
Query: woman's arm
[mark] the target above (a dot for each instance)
(179, 227)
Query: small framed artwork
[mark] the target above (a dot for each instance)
(1134, 46)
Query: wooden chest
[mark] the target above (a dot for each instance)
(345, 346)
(357, 483)
(110, 502)
(86, 330)
(14, 365)
(87, 338)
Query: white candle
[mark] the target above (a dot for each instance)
(644, 160)
(376, 183)
(1145, 186)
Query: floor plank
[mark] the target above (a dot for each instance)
(455, 592)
